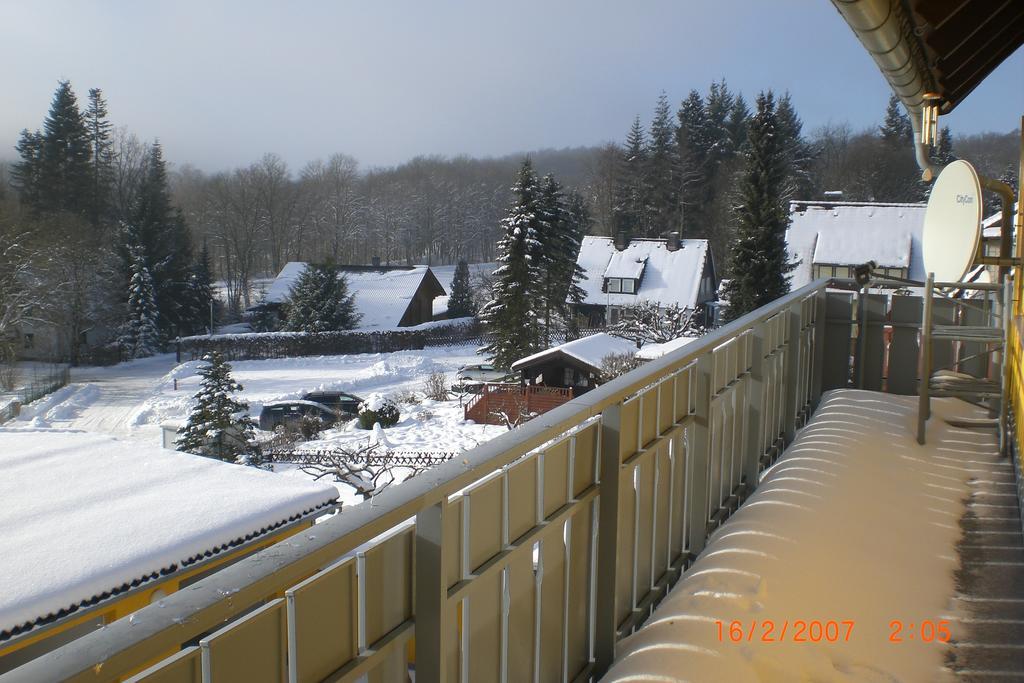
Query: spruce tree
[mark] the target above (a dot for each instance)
(663, 172)
(200, 294)
(942, 153)
(319, 301)
(896, 131)
(101, 149)
(799, 154)
(737, 123)
(510, 317)
(758, 250)
(632, 202)
(218, 425)
(692, 155)
(140, 337)
(560, 232)
(460, 301)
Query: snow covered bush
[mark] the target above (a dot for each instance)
(616, 364)
(378, 409)
(218, 426)
(648, 322)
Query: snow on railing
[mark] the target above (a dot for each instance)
(557, 537)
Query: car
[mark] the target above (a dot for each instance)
(483, 372)
(284, 414)
(345, 403)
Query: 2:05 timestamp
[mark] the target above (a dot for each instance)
(817, 631)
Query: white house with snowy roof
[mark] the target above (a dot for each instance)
(95, 528)
(828, 239)
(386, 297)
(621, 272)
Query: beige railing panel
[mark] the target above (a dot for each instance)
(551, 570)
(585, 458)
(453, 541)
(387, 585)
(643, 526)
(482, 509)
(482, 629)
(522, 496)
(521, 607)
(649, 422)
(555, 463)
(627, 540)
(661, 542)
(251, 649)
(630, 434)
(182, 667)
(323, 622)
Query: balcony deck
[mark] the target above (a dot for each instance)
(854, 528)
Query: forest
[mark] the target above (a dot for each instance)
(126, 246)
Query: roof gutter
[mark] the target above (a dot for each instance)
(885, 30)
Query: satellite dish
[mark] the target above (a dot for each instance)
(952, 223)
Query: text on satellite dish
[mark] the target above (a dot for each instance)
(964, 199)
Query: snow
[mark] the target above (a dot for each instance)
(855, 522)
(85, 513)
(381, 297)
(590, 350)
(849, 233)
(669, 277)
(652, 351)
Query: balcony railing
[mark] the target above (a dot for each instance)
(529, 556)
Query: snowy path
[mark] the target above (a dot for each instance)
(843, 565)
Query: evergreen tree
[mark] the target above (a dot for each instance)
(200, 294)
(101, 149)
(894, 175)
(160, 230)
(631, 206)
(218, 425)
(54, 172)
(896, 131)
(692, 155)
(511, 317)
(663, 172)
(717, 134)
(737, 123)
(758, 250)
(460, 301)
(140, 337)
(560, 233)
(799, 154)
(942, 153)
(319, 301)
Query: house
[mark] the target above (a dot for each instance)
(573, 365)
(828, 239)
(96, 528)
(386, 297)
(622, 272)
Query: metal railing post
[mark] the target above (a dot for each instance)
(431, 579)
(793, 313)
(701, 454)
(755, 410)
(818, 356)
(606, 621)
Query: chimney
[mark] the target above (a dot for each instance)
(672, 243)
(376, 261)
(621, 240)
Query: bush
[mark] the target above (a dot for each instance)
(406, 396)
(378, 410)
(436, 386)
(616, 364)
(9, 375)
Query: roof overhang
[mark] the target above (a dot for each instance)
(943, 48)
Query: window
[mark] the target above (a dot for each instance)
(843, 271)
(614, 284)
(30, 340)
(613, 316)
(629, 286)
(567, 378)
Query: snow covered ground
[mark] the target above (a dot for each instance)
(853, 529)
(131, 400)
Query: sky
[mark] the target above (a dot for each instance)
(222, 83)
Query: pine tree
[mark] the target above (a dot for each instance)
(319, 301)
(896, 131)
(692, 155)
(160, 229)
(560, 233)
(140, 337)
(54, 172)
(460, 301)
(101, 149)
(737, 123)
(632, 203)
(799, 155)
(510, 317)
(758, 250)
(200, 294)
(663, 172)
(218, 425)
(942, 153)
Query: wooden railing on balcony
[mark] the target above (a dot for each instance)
(526, 558)
(499, 404)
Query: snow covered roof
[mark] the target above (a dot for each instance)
(851, 233)
(652, 351)
(667, 277)
(86, 516)
(381, 296)
(587, 350)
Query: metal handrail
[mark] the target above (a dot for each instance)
(122, 647)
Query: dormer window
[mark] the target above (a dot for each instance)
(620, 285)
